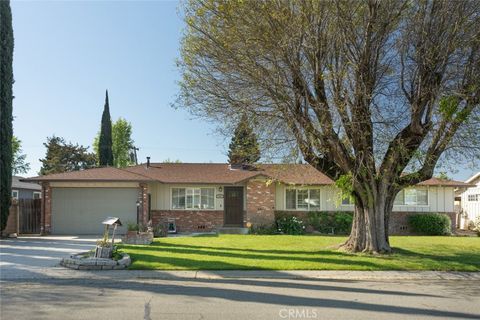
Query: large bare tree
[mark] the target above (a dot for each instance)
(373, 93)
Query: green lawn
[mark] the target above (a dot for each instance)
(237, 252)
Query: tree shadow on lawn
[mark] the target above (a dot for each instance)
(197, 264)
(158, 245)
(471, 259)
(271, 298)
(358, 261)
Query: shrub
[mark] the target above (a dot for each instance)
(477, 225)
(328, 222)
(263, 229)
(160, 230)
(132, 226)
(290, 225)
(433, 224)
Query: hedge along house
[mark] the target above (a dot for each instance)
(209, 196)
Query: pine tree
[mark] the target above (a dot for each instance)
(244, 148)
(6, 97)
(105, 141)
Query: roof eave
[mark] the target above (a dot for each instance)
(82, 180)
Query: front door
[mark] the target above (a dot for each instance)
(233, 206)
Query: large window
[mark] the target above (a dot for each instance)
(473, 197)
(193, 198)
(412, 197)
(302, 199)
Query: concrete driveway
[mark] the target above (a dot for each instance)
(26, 257)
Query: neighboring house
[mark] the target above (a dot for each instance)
(208, 196)
(25, 190)
(470, 201)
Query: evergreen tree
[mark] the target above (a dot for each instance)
(105, 156)
(244, 148)
(64, 157)
(122, 143)
(6, 97)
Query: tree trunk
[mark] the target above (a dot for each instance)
(370, 225)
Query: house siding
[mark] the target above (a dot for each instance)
(440, 199)
(471, 208)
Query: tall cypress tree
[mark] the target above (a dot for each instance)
(244, 148)
(6, 97)
(105, 141)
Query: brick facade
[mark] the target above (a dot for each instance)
(260, 203)
(46, 215)
(190, 220)
(12, 221)
(398, 224)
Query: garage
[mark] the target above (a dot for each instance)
(81, 210)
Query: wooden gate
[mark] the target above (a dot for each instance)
(29, 215)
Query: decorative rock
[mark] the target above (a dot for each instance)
(79, 262)
(140, 238)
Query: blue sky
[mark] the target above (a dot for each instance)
(68, 53)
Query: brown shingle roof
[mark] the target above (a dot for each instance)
(210, 173)
(193, 173)
(94, 174)
(295, 174)
(444, 183)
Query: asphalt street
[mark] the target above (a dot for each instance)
(238, 299)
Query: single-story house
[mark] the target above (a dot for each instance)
(470, 201)
(25, 190)
(210, 196)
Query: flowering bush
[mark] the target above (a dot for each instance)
(290, 225)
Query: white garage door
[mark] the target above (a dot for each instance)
(81, 210)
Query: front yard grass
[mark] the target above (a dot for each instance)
(237, 252)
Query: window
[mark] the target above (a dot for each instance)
(314, 199)
(193, 198)
(473, 197)
(15, 194)
(412, 197)
(178, 198)
(346, 201)
(302, 199)
(290, 196)
(37, 195)
(208, 198)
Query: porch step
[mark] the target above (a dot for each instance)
(233, 230)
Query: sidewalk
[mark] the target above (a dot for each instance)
(63, 273)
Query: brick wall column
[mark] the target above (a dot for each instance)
(260, 202)
(143, 201)
(46, 215)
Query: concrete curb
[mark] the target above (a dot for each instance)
(63, 273)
